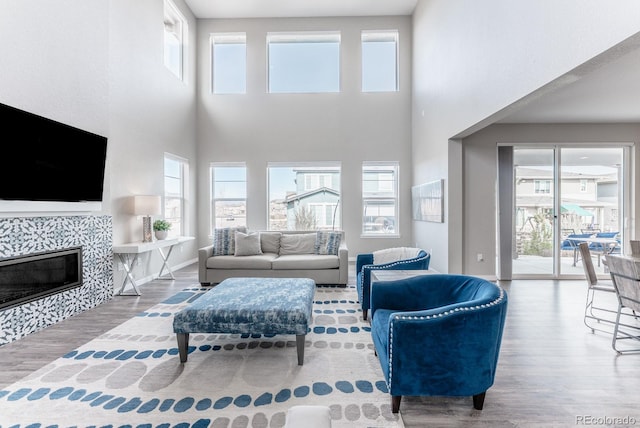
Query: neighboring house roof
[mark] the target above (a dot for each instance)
(294, 197)
(546, 201)
(543, 174)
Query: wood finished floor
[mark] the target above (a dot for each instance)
(552, 371)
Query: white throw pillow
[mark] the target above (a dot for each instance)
(247, 244)
(389, 255)
(297, 243)
(270, 242)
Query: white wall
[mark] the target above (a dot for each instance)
(349, 126)
(471, 60)
(53, 60)
(480, 177)
(151, 112)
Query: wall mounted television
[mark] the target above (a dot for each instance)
(49, 163)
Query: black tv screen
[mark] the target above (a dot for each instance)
(48, 160)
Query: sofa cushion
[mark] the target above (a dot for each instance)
(306, 261)
(224, 240)
(247, 244)
(327, 242)
(262, 261)
(297, 243)
(270, 242)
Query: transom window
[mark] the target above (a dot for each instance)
(380, 198)
(175, 28)
(229, 195)
(303, 62)
(379, 61)
(229, 63)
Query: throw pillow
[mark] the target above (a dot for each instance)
(224, 240)
(327, 242)
(247, 244)
(270, 242)
(297, 243)
(390, 255)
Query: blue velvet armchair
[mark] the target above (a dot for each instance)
(438, 335)
(364, 266)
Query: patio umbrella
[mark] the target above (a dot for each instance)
(575, 209)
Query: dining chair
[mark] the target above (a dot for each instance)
(595, 315)
(635, 247)
(626, 280)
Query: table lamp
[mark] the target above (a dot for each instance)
(146, 206)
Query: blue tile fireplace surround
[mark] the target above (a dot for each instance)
(32, 235)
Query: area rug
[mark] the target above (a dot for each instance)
(132, 376)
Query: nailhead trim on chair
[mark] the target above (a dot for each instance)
(439, 315)
(387, 266)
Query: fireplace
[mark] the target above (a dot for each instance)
(31, 277)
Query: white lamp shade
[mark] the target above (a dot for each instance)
(147, 205)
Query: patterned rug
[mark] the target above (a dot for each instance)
(132, 377)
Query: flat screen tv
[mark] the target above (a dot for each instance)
(49, 161)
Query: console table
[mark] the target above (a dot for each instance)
(128, 255)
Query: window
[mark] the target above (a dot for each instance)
(304, 62)
(313, 181)
(229, 195)
(175, 179)
(175, 26)
(583, 186)
(304, 196)
(380, 198)
(542, 186)
(229, 63)
(379, 61)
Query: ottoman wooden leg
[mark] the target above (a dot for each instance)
(183, 346)
(300, 347)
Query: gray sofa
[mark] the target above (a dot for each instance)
(286, 254)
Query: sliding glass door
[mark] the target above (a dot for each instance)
(564, 196)
(534, 187)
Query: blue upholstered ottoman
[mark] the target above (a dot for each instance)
(252, 306)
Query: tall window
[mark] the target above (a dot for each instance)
(229, 63)
(379, 61)
(175, 178)
(175, 29)
(379, 198)
(228, 195)
(304, 62)
(304, 196)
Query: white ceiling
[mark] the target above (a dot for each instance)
(298, 8)
(608, 94)
(607, 90)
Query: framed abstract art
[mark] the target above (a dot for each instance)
(428, 201)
